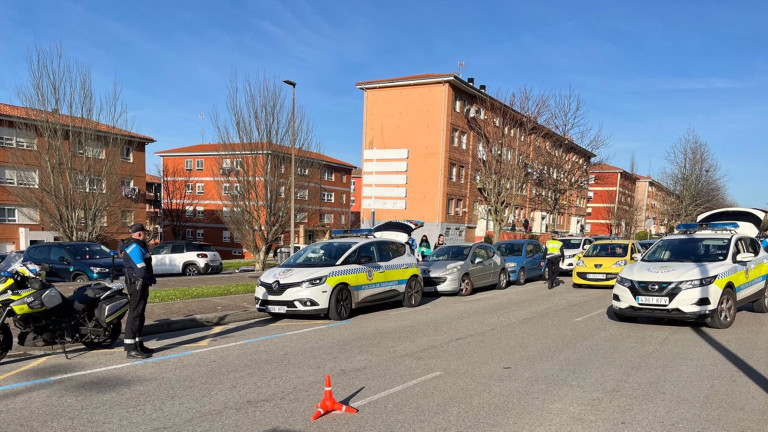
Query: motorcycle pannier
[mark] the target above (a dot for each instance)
(111, 308)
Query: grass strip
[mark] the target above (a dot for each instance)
(237, 263)
(176, 294)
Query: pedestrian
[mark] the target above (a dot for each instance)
(764, 241)
(526, 225)
(412, 244)
(424, 249)
(514, 228)
(440, 242)
(139, 276)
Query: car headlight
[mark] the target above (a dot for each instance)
(580, 263)
(620, 263)
(99, 269)
(570, 256)
(623, 281)
(511, 265)
(452, 269)
(696, 283)
(313, 282)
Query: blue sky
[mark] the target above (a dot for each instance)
(647, 70)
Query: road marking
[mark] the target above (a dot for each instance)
(300, 323)
(163, 358)
(33, 364)
(408, 310)
(396, 389)
(587, 316)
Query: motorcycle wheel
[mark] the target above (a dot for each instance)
(106, 342)
(6, 340)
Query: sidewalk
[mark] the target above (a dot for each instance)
(179, 315)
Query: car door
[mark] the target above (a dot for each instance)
(369, 282)
(392, 256)
(478, 270)
(176, 258)
(61, 262)
(493, 265)
(747, 286)
(161, 259)
(537, 264)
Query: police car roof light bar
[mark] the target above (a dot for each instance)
(363, 232)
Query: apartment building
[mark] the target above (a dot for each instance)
(153, 199)
(611, 198)
(355, 199)
(651, 198)
(21, 225)
(420, 159)
(323, 197)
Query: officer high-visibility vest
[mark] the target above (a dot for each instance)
(553, 246)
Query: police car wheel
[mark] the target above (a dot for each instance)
(761, 305)
(466, 286)
(503, 278)
(521, 277)
(341, 303)
(725, 313)
(413, 293)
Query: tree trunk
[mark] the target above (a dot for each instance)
(260, 261)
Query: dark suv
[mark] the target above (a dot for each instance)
(74, 261)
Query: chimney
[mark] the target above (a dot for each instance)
(471, 81)
(482, 88)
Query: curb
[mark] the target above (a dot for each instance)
(208, 320)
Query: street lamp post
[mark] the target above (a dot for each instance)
(293, 163)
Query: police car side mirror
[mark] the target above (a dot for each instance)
(745, 257)
(365, 259)
(637, 256)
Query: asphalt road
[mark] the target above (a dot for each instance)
(520, 359)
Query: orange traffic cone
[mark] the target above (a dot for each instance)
(328, 403)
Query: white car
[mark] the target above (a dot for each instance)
(185, 257)
(573, 246)
(701, 275)
(335, 276)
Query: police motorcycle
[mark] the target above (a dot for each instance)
(91, 315)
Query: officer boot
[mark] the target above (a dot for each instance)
(143, 348)
(132, 352)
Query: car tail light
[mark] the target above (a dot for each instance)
(202, 255)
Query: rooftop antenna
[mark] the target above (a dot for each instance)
(202, 129)
(461, 65)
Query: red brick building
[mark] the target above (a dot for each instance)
(203, 164)
(610, 199)
(651, 198)
(21, 226)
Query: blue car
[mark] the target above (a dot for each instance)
(524, 258)
(74, 261)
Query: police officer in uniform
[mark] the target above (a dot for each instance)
(555, 256)
(137, 263)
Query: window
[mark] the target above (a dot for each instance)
(225, 236)
(343, 177)
(461, 174)
(477, 176)
(456, 103)
(8, 215)
(189, 235)
(304, 171)
(200, 235)
(302, 194)
(189, 188)
(464, 140)
(281, 191)
(237, 253)
(226, 163)
(188, 211)
(126, 182)
(450, 206)
(237, 189)
(236, 238)
(591, 179)
(126, 217)
(225, 212)
(199, 164)
(301, 216)
(188, 164)
(200, 188)
(343, 218)
(126, 154)
(328, 174)
(326, 218)
(590, 195)
(452, 172)
(454, 137)
(352, 200)
(18, 177)
(327, 196)
(199, 212)
(352, 189)
(95, 184)
(225, 189)
(238, 164)
(91, 150)
(459, 207)
(343, 198)
(161, 249)
(12, 137)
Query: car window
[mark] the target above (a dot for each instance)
(207, 248)
(537, 248)
(479, 252)
(390, 250)
(161, 249)
(529, 250)
(56, 252)
(191, 247)
(371, 250)
(510, 249)
(450, 253)
(754, 246)
(489, 251)
(177, 249)
(690, 249)
(571, 243)
(39, 253)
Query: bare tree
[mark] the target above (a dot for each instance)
(694, 176)
(179, 200)
(255, 171)
(74, 176)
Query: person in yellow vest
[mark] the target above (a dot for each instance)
(555, 256)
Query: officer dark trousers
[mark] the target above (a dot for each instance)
(134, 324)
(552, 269)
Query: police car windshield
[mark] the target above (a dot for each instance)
(510, 249)
(319, 254)
(607, 250)
(450, 253)
(693, 249)
(571, 243)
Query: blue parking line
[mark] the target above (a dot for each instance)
(162, 358)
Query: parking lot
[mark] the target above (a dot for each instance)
(523, 358)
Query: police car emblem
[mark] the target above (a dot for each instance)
(369, 274)
(283, 273)
(661, 269)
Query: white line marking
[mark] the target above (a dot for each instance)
(396, 389)
(587, 316)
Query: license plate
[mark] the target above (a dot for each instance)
(596, 276)
(277, 309)
(652, 300)
(429, 289)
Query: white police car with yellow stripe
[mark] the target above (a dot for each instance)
(335, 276)
(703, 274)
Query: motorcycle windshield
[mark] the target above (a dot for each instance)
(10, 262)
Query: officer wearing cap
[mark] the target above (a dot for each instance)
(139, 276)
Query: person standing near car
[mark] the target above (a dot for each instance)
(424, 248)
(555, 257)
(139, 276)
(440, 242)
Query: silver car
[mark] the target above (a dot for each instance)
(458, 269)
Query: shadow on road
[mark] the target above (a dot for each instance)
(753, 374)
(348, 399)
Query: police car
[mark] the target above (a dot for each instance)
(333, 277)
(705, 273)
